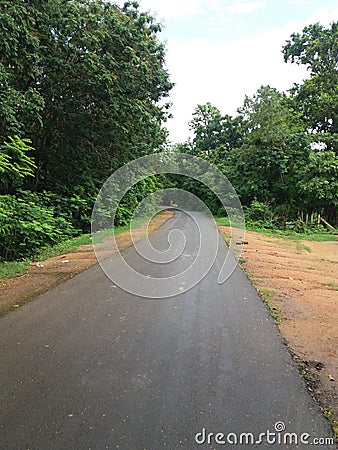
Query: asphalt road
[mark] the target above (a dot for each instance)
(89, 366)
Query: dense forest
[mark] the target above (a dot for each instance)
(80, 86)
(83, 89)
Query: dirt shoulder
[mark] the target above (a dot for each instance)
(44, 275)
(301, 279)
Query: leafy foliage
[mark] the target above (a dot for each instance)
(15, 164)
(280, 151)
(317, 97)
(25, 227)
(319, 182)
(273, 148)
(214, 134)
(82, 81)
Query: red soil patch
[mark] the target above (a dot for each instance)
(304, 280)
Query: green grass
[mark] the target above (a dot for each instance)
(10, 269)
(71, 245)
(226, 238)
(222, 221)
(13, 268)
(102, 235)
(267, 295)
(294, 236)
(320, 237)
(301, 246)
(288, 234)
(329, 414)
(333, 286)
(68, 246)
(16, 268)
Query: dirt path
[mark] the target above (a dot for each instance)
(44, 275)
(302, 281)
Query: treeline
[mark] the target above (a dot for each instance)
(280, 151)
(80, 85)
(82, 89)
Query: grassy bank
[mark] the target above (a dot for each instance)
(311, 235)
(9, 269)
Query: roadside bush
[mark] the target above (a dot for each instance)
(298, 226)
(74, 208)
(261, 214)
(26, 226)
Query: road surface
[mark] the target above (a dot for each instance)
(89, 366)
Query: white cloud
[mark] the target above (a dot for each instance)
(166, 9)
(224, 73)
(188, 9)
(300, 2)
(241, 7)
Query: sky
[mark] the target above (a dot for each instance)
(218, 51)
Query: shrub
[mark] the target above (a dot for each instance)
(26, 226)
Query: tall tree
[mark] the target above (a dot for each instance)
(84, 80)
(318, 184)
(21, 103)
(214, 134)
(88, 77)
(273, 148)
(317, 48)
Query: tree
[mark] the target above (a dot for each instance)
(103, 78)
(317, 97)
(274, 147)
(319, 184)
(214, 134)
(82, 79)
(20, 101)
(15, 164)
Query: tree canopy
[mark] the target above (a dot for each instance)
(280, 149)
(84, 81)
(317, 97)
(83, 88)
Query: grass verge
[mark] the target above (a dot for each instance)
(294, 236)
(17, 268)
(287, 234)
(68, 246)
(222, 221)
(13, 268)
(9, 269)
(267, 295)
